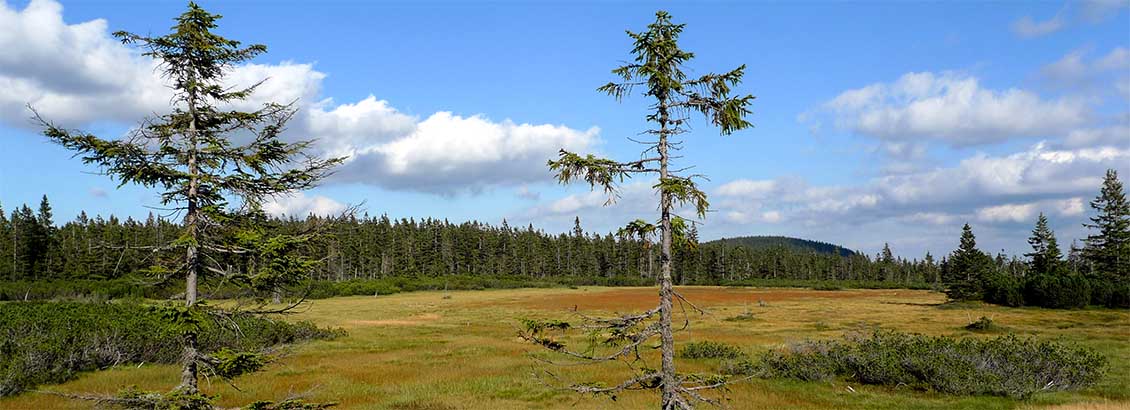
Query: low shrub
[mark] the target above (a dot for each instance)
(1003, 289)
(1058, 291)
(50, 342)
(983, 324)
(710, 350)
(1005, 366)
(747, 316)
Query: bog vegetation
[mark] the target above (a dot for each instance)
(51, 342)
(217, 243)
(1005, 366)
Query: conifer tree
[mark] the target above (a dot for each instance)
(886, 262)
(966, 268)
(1108, 250)
(1045, 256)
(191, 157)
(658, 69)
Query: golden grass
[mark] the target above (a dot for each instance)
(424, 351)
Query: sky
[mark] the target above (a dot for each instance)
(874, 122)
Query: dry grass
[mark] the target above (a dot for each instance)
(424, 351)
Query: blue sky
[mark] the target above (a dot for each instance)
(875, 122)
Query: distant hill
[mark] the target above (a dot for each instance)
(763, 242)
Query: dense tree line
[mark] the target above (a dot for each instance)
(371, 247)
(34, 247)
(1096, 274)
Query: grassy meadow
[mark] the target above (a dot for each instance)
(459, 350)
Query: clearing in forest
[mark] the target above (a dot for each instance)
(459, 350)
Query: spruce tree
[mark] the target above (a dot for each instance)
(658, 70)
(1045, 256)
(887, 262)
(1108, 250)
(966, 268)
(191, 157)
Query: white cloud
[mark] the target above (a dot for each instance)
(993, 189)
(1117, 59)
(75, 74)
(448, 153)
(1027, 27)
(749, 188)
(933, 218)
(951, 108)
(1116, 135)
(748, 217)
(71, 73)
(1070, 206)
(1007, 213)
(344, 129)
(1075, 73)
(1074, 12)
(299, 205)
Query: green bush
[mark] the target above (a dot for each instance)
(1058, 291)
(1110, 292)
(1004, 366)
(983, 324)
(1003, 289)
(50, 342)
(710, 350)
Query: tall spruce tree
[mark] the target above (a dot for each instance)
(1045, 256)
(1108, 250)
(965, 271)
(190, 154)
(657, 69)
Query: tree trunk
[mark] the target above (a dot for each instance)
(192, 261)
(666, 292)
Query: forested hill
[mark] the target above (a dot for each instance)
(765, 242)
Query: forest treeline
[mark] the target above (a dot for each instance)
(35, 249)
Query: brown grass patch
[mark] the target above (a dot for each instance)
(618, 299)
(413, 321)
(1085, 406)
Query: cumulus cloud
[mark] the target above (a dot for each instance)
(299, 205)
(1005, 188)
(72, 73)
(951, 108)
(448, 153)
(1025, 213)
(1007, 213)
(75, 74)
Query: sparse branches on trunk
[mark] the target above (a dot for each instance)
(657, 70)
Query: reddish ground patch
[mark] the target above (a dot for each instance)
(624, 299)
(412, 321)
